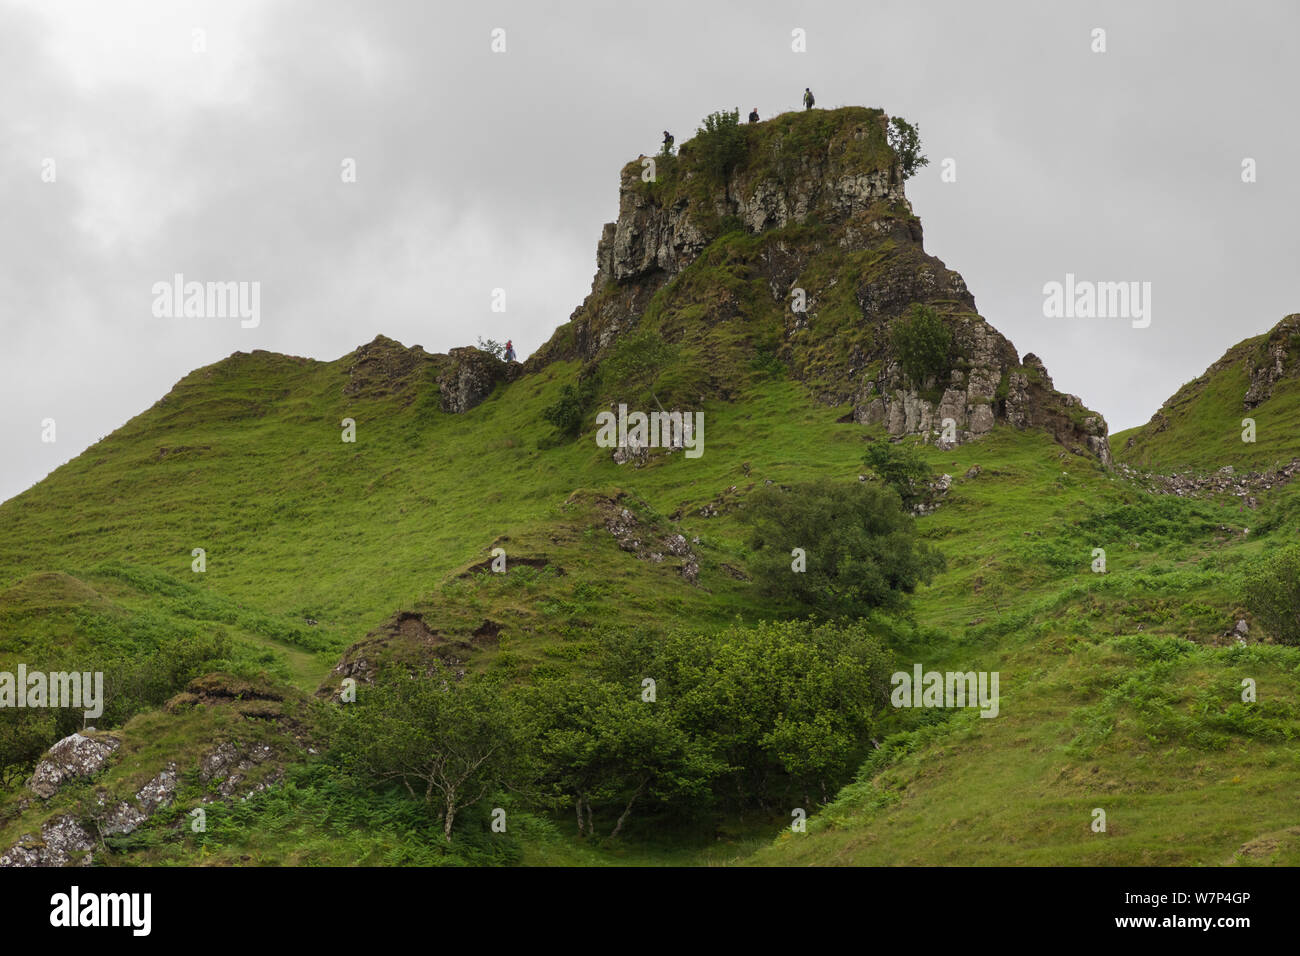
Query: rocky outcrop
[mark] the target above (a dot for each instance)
(469, 376)
(823, 194)
(228, 767)
(1270, 365)
(652, 236)
(647, 541)
(73, 756)
(385, 368)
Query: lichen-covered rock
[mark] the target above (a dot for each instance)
(159, 791)
(61, 839)
(122, 818)
(216, 763)
(73, 756)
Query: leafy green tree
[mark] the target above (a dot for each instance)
(449, 743)
(492, 347)
(1271, 591)
(905, 140)
(860, 548)
(785, 708)
(605, 746)
(922, 343)
(719, 144)
(901, 467)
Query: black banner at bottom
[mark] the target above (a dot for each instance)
(138, 906)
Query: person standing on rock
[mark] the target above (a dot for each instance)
(510, 351)
(808, 100)
(668, 143)
(753, 115)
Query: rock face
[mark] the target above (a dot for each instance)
(73, 756)
(1270, 365)
(469, 377)
(838, 255)
(650, 237)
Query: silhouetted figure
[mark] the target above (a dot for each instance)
(753, 115)
(668, 143)
(510, 351)
(808, 100)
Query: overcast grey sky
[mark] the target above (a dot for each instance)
(478, 170)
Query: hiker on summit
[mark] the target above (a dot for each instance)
(753, 115)
(510, 351)
(668, 143)
(808, 100)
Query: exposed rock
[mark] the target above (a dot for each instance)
(216, 763)
(648, 543)
(61, 837)
(1268, 368)
(855, 196)
(470, 376)
(1225, 481)
(937, 489)
(385, 367)
(123, 818)
(73, 756)
(159, 791)
(973, 471)
(464, 376)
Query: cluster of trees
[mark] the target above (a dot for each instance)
(775, 715)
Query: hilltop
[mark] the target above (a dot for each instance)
(805, 248)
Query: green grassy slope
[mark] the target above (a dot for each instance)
(1200, 427)
(1120, 691)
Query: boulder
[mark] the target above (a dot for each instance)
(73, 756)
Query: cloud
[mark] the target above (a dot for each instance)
(478, 170)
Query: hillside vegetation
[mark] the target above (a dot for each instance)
(327, 561)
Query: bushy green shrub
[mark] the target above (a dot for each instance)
(901, 467)
(860, 548)
(719, 144)
(569, 412)
(922, 343)
(1271, 591)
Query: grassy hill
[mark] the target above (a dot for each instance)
(325, 557)
(1200, 428)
